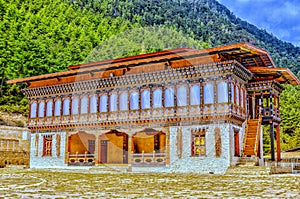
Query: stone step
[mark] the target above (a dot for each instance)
(109, 169)
(248, 170)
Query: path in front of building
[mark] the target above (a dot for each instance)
(30, 183)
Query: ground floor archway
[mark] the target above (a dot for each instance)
(113, 148)
(81, 148)
(149, 147)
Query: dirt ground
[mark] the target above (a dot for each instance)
(32, 183)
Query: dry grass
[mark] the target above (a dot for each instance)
(84, 184)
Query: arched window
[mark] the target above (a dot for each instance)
(222, 92)
(237, 94)
(84, 105)
(195, 95)
(33, 110)
(57, 107)
(66, 106)
(41, 109)
(232, 93)
(157, 98)
(182, 96)
(113, 102)
(169, 97)
(208, 94)
(134, 101)
(103, 103)
(145, 99)
(75, 105)
(124, 101)
(242, 97)
(49, 108)
(93, 104)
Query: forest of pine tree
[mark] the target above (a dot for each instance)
(39, 37)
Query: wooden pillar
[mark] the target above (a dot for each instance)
(278, 105)
(260, 104)
(167, 146)
(278, 143)
(129, 148)
(271, 105)
(253, 106)
(272, 141)
(96, 152)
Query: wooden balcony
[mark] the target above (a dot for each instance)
(269, 113)
(163, 114)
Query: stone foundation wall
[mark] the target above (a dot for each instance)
(183, 161)
(14, 146)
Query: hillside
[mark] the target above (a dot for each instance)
(205, 20)
(39, 37)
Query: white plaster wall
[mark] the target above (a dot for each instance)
(206, 164)
(53, 161)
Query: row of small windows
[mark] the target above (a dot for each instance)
(131, 101)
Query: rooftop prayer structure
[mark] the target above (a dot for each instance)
(183, 110)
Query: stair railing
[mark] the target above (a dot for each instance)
(245, 136)
(257, 139)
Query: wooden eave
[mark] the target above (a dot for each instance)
(281, 75)
(246, 54)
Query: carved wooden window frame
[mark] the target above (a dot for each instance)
(121, 108)
(149, 100)
(66, 108)
(220, 93)
(113, 106)
(237, 95)
(198, 142)
(101, 101)
(211, 99)
(169, 87)
(138, 100)
(74, 106)
(93, 108)
(191, 93)
(179, 95)
(55, 103)
(153, 97)
(84, 108)
(41, 111)
(51, 108)
(47, 145)
(33, 112)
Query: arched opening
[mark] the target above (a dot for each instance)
(113, 148)
(149, 146)
(81, 148)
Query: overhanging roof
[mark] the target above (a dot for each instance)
(281, 75)
(247, 54)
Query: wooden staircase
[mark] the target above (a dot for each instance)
(252, 136)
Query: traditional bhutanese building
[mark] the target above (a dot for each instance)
(182, 110)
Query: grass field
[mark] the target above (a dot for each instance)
(29, 183)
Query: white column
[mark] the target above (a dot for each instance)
(40, 146)
(53, 149)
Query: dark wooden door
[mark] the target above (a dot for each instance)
(103, 151)
(236, 144)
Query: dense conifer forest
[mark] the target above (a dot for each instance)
(46, 36)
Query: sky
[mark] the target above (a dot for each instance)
(279, 17)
